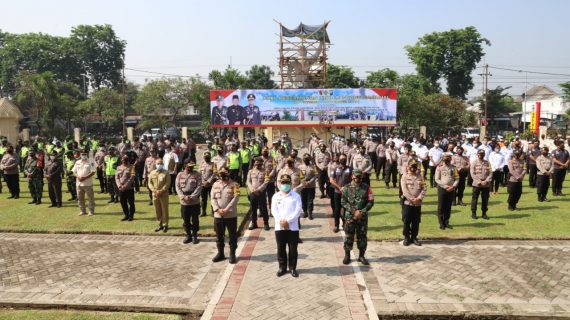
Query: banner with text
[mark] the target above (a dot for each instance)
(303, 107)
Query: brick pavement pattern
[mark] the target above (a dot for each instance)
(137, 272)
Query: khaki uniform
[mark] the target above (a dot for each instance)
(514, 187)
(189, 184)
(413, 187)
(225, 196)
(296, 177)
(159, 182)
(257, 182)
(445, 176)
(482, 175)
(220, 162)
(544, 170)
(125, 177)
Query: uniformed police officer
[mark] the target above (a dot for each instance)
(257, 182)
(322, 160)
(149, 166)
(391, 170)
(9, 168)
(33, 172)
(560, 162)
(158, 184)
(209, 174)
(225, 196)
(482, 175)
(52, 172)
(357, 200)
(99, 159)
(309, 172)
(516, 175)
(447, 179)
(341, 177)
(111, 164)
(461, 163)
(125, 182)
(269, 166)
(252, 112)
(413, 192)
(235, 112)
(246, 162)
(219, 112)
(188, 189)
(544, 171)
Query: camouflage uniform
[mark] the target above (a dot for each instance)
(356, 198)
(35, 183)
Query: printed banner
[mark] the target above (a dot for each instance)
(303, 107)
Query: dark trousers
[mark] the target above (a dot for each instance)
(497, 179)
(444, 200)
(323, 181)
(270, 191)
(127, 198)
(71, 186)
(205, 193)
(558, 176)
(532, 172)
(380, 167)
(244, 171)
(54, 191)
(461, 186)
(12, 180)
(373, 158)
(287, 238)
(112, 187)
(234, 175)
(432, 176)
(307, 199)
(337, 208)
(139, 172)
(391, 172)
(258, 202)
(515, 191)
(542, 184)
(505, 175)
(172, 188)
(102, 180)
(484, 192)
(220, 226)
(411, 216)
(190, 217)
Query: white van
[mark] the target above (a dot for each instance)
(470, 132)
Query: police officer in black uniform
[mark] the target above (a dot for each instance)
(219, 111)
(252, 112)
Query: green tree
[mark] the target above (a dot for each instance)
(566, 91)
(259, 77)
(38, 95)
(101, 54)
(229, 79)
(341, 77)
(107, 104)
(451, 55)
(498, 102)
(385, 78)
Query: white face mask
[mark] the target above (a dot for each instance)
(84, 157)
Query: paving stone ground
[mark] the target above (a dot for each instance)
(439, 279)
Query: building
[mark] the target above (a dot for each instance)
(10, 117)
(553, 106)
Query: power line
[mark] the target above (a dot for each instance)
(532, 72)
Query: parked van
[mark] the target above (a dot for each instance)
(470, 132)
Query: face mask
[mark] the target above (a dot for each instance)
(436, 145)
(208, 159)
(265, 154)
(52, 158)
(159, 167)
(224, 177)
(356, 180)
(497, 150)
(84, 157)
(307, 161)
(189, 169)
(342, 161)
(447, 161)
(285, 187)
(545, 153)
(413, 169)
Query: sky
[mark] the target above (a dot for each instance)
(194, 37)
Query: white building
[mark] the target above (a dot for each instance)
(552, 105)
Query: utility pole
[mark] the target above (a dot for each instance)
(124, 102)
(486, 75)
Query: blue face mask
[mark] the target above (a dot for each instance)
(159, 167)
(286, 188)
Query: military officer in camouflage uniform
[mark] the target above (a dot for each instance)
(482, 174)
(447, 179)
(357, 200)
(257, 181)
(225, 196)
(413, 192)
(33, 172)
(70, 178)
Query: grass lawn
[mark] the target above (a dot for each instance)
(18, 215)
(534, 220)
(80, 315)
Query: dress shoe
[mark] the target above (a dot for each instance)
(294, 273)
(187, 240)
(266, 227)
(252, 227)
(305, 215)
(53, 205)
(219, 257)
(346, 259)
(32, 202)
(150, 203)
(125, 219)
(311, 216)
(363, 260)
(485, 216)
(233, 258)
(11, 197)
(448, 226)
(158, 228)
(111, 200)
(300, 240)
(131, 219)
(203, 214)
(38, 203)
(323, 196)
(17, 197)
(474, 216)
(336, 230)
(165, 229)
(417, 243)
(406, 242)
(195, 239)
(59, 205)
(281, 272)
(442, 227)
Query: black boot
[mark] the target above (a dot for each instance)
(362, 259)
(188, 238)
(220, 256)
(407, 241)
(346, 259)
(233, 258)
(195, 238)
(111, 200)
(485, 216)
(311, 216)
(474, 215)
(203, 214)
